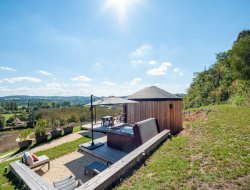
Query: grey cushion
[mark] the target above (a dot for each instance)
(64, 180)
(67, 183)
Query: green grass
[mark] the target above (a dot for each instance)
(7, 116)
(211, 153)
(52, 153)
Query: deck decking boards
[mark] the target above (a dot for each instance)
(104, 152)
(106, 178)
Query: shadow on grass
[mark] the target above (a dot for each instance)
(18, 184)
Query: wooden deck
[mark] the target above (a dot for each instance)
(104, 152)
(97, 127)
(115, 172)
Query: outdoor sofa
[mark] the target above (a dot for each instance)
(31, 163)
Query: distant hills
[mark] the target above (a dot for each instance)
(21, 99)
(74, 100)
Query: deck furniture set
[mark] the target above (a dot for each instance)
(125, 145)
(120, 142)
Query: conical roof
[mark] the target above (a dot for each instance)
(153, 93)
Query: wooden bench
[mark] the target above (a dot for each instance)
(31, 179)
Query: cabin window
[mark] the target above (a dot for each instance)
(171, 106)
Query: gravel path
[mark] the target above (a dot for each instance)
(70, 164)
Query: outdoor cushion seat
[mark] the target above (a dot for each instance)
(32, 164)
(67, 183)
(95, 167)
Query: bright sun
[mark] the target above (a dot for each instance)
(120, 7)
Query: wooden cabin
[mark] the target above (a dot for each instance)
(157, 103)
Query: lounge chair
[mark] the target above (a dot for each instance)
(67, 183)
(95, 167)
(42, 160)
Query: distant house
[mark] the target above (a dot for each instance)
(19, 123)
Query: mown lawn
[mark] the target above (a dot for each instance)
(7, 116)
(213, 152)
(52, 153)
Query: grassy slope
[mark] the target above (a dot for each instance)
(213, 152)
(52, 153)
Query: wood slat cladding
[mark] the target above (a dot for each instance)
(168, 113)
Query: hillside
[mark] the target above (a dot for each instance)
(23, 100)
(212, 152)
(226, 81)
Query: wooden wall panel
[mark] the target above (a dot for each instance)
(167, 118)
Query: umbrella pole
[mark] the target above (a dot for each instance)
(95, 114)
(92, 128)
(92, 145)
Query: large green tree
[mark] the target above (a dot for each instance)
(227, 78)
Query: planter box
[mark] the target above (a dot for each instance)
(24, 144)
(68, 130)
(41, 139)
(56, 133)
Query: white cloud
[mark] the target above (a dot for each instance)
(21, 79)
(81, 78)
(142, 51)
(53, 85)
(161, 70)
(81, 85)
(44, 72)
(98, 65)
(177, 71)
(135, 63)
(109, 83)
(135, 81)
(152, 62)
(6, 68)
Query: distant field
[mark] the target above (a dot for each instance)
(213, 152)
(7, 116)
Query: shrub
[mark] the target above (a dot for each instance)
(2, 122)
(10, 120)
(82, 118)
(40, 128)
(62, 121)
(24, 134)
(72, 119)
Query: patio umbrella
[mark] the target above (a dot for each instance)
(111, 100)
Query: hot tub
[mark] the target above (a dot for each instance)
(121, 137)
(125, 128)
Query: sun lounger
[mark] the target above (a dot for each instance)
(95, 167)
(68, 183)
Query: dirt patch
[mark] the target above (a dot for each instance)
(194, 115)
(8, 141)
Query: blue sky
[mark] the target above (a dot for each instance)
(112, 47)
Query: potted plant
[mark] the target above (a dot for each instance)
(56, 131)
(40, 131)
(68, 129)
(23, 140)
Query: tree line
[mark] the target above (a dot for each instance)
(226, 81)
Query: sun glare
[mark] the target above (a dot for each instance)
(119, 7)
